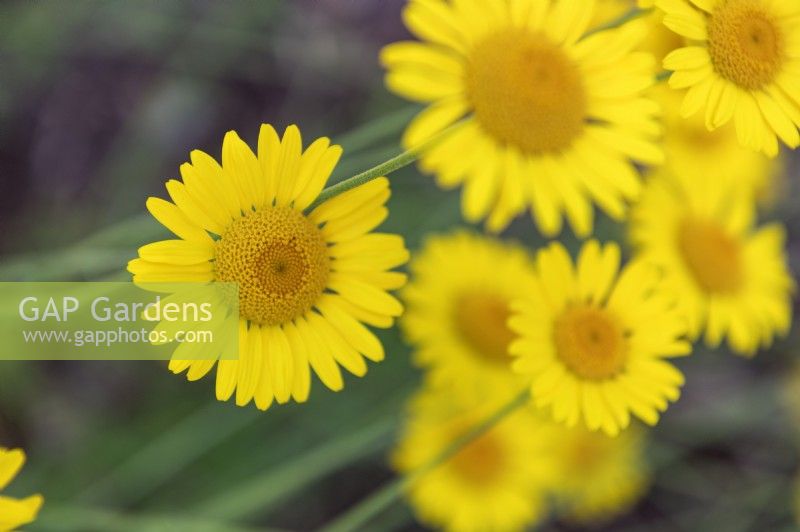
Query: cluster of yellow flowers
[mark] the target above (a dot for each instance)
(565, 113)
(585, 340)
(557, 110)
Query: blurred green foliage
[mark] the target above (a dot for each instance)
(130, 447)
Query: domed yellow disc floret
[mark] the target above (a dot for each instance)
(482, 461)
(745, 44)
(713, 257)
(481, 320)
(591, 342)
(526, 91)
(594, 338)
(555, 115)
(741, 65)
(280, 260)
(311, 273)
(730, 276)
(457, 310)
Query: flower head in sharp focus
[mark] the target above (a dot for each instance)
(743, 65)
(556, 119)
(15, 512)
(730, 277)
(597, 477)
(593, 339)
(457, 306)
(693, 150)
(308, 281)
(495, 482)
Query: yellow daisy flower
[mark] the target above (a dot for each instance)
(493, 483)
(309, 278)
(597, 477)
(693, 150)
(593, 342)
(457, 307)
(744, 65)
(556, 118)
(731, 278)
(15, 512)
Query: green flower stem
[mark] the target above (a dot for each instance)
(385, 168)
(358, 517)
(393, 164)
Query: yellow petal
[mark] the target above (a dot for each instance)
(320, 358)
(302, 375)
(11, 461)
(281, 363)
(171, 217)
(15, 513)
(269, 149)
(367, 296)
(177, 252)
(288, 164)
(351, 330)
(241, 168)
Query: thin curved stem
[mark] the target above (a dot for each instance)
(393, 164)
(356, 518)
(385, 168)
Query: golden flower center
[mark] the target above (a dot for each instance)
(481, 461)
(526, 92)
(745, 44)
(712, 256)
(280, 260)
(591, 342)
(587, 451)
(480, 319)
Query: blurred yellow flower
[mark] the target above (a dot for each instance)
(556, 119)
(693, 150)
(597, 477)
(743, 65)
(731, 279)
(593, 342)
(457, 306)
(659, 40)
(15, 512)
(493, 483)
(307, 280)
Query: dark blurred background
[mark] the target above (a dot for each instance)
(100, 103)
